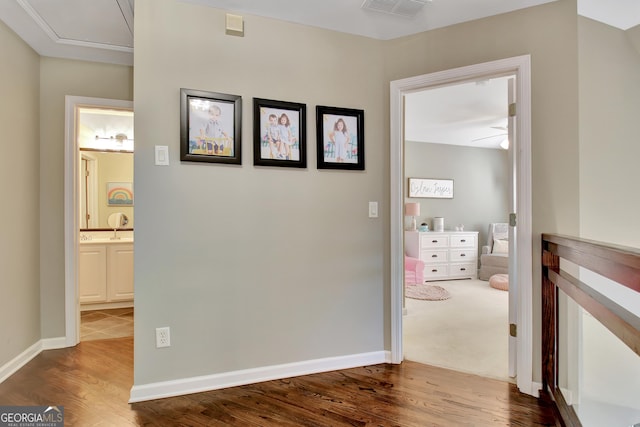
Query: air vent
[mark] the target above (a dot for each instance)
(406, 8)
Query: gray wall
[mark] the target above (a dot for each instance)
(221, 285)
(60, 77)
(253, 266)
(549, 34)
(211, 240)
(609, 128)
(609, 77)
(19, 140)
(481, 183)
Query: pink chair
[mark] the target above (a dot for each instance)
(413, 270)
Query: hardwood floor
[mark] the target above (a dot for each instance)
(92, 381)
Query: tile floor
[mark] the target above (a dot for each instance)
(105, 324)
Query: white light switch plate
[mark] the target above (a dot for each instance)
(373, 209)
(162, 155)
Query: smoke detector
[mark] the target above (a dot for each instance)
(406, 8)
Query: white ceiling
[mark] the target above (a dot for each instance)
(102, 30)
(472, 114)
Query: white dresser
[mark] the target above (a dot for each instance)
(446, 255)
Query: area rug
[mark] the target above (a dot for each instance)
(426, 292)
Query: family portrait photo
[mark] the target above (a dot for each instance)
(279, 130)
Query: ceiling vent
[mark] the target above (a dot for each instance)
(406, 8)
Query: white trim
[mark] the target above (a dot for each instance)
(520, 67)
(71, 223)
(14, 365)
(54, 343)
(199, 384)
(19, 361)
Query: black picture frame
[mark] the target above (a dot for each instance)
(203, 139)
(283, 141)
(340, 153)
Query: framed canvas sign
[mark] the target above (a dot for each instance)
(210, 126)
(119, 193)
(340, 138)
(431, 188)
(279, 133)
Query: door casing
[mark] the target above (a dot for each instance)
(520, 67)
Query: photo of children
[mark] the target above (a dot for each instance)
(340, 138)
(211, 130)
(279, 134)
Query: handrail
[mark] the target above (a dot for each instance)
(618, 263)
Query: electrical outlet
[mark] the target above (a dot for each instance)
(163, 337)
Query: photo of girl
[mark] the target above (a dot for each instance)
(340, 138)
(340, 145)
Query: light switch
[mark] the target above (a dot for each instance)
(373, 209)
(162, 155)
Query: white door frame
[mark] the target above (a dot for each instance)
(519, 66)
(71, 207)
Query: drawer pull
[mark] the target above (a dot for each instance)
(434, 256)
(463, 240)
(434, 241)
(463, 269)
(463, 255)
(434, 270)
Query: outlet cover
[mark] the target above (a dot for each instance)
(163, 337)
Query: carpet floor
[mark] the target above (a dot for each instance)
(468, 332)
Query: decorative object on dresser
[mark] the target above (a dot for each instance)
(412, 210)
(494, 258)
(447, 255)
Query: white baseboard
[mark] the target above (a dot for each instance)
(159, 390)
(535, 389)
(23, 358)
(19, 361)
(54, 343)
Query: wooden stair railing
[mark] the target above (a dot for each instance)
(618, 263)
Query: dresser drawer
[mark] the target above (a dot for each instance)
(462, 255)
(433, 256)
(463, 241)
(436, 271)
(427, 242)
(469, 269)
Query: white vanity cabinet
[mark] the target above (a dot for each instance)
(92, 273)
(446, 255)
(105, 274)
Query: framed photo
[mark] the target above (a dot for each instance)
(340, 138)
(279, 133)
(119, 194)
(210, 127)
(431, 188)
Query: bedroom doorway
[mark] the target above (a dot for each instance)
(520, 282)
(459, 131)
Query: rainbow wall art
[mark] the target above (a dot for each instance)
(120, 193)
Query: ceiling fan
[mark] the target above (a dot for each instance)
(505, 142)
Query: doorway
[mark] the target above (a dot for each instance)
(521, 280)
(458, 132)
(98, 251)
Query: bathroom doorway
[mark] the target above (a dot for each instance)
(99, 219)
